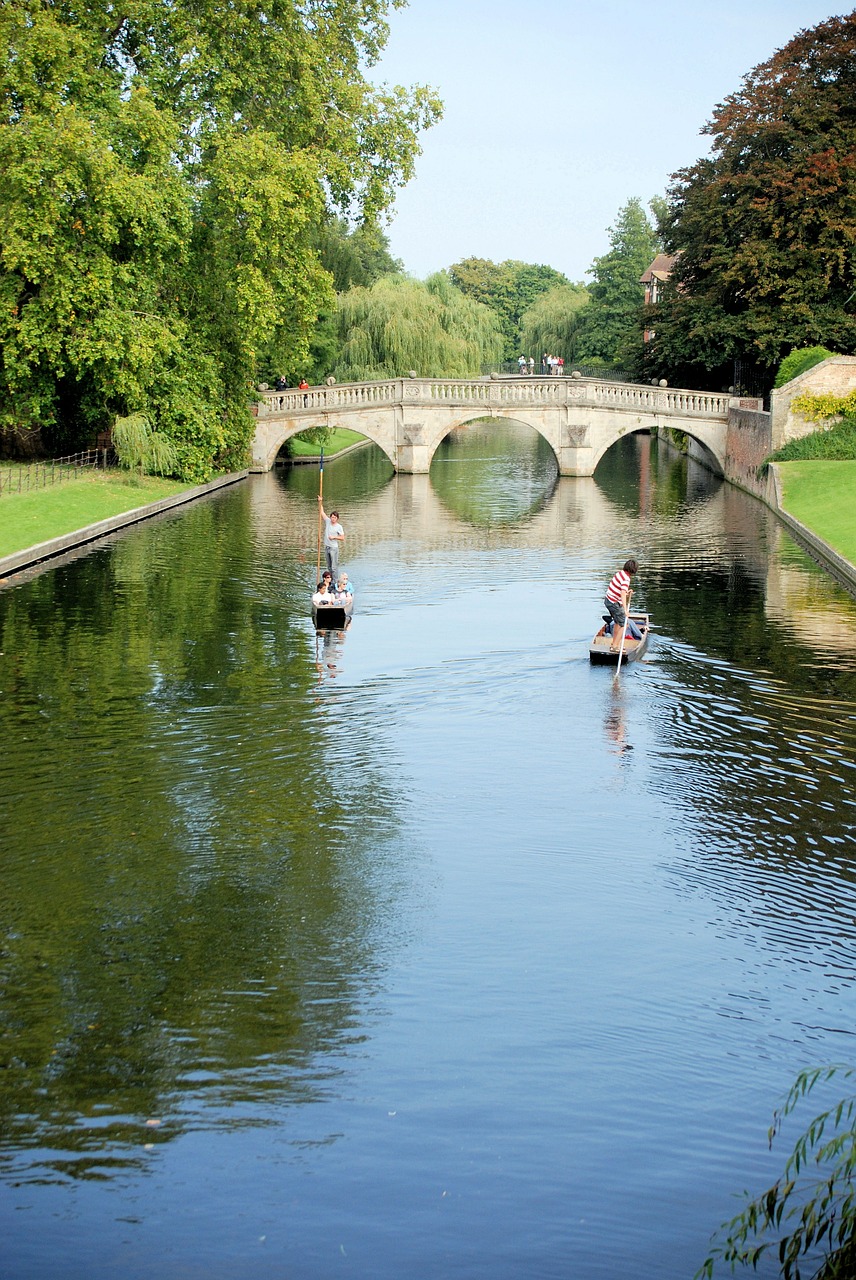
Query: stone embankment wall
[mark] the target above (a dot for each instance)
(835, 376)
(748, 445)
(753, 435)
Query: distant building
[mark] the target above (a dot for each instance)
(654, 279)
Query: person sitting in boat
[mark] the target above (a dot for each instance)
(633, 632)
(344, 589)
(323, 596)
(617, 601)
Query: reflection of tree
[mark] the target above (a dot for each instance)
(668, 493)
(704, 568)
(185, 887)
(357, 474)
(754, 723)
(514, 478)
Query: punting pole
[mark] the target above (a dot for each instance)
(320, 506)
(624, 632)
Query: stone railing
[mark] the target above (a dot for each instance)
(487, 393)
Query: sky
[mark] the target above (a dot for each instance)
(557, 113)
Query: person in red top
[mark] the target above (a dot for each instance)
(617, 600)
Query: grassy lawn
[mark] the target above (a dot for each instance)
(823, 496)
(40, 514)
(340, 439)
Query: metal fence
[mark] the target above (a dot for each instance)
(21, 477)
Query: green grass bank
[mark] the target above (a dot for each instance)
(339, 439)
(822, 496)
(37, 515)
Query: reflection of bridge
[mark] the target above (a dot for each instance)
(409, 417)
(575, 514)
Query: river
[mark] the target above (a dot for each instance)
(424, 949)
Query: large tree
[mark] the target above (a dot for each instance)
(611, 328)
(766, 225)
(164, 172)
(508, 288)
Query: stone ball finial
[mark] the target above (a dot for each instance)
(411, 373)
(662, 383)
(331, 381)
(576, 374)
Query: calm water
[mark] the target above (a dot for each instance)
(427, 949)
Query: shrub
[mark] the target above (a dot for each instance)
(835, 444)
(799, 361)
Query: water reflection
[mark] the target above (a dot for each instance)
(202, 935)
(494, 472)
(615, 723)
(329, 645)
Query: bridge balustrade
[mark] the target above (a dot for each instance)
(548, 391)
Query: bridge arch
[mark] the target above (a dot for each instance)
(705, 453)
(285, 429)
(433, 442)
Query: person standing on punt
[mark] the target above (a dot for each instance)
(617, 600)
(334, 536)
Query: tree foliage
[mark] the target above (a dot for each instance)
(508, 288)
(611, 328)
(399, 324)
(166, 172)
(807, 1218)
(766, 225)
(555, 321)
(355, 255)
(137, 445)
(800, 361)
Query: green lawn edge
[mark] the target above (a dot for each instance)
(39, 515)
(822, 496)
(340, 438)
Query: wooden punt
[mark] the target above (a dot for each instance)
(332, 617)
(599, 649)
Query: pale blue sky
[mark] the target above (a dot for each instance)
(557, 113)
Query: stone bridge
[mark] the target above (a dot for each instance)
(408, 417)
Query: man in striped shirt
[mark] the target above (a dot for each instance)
(617, 600)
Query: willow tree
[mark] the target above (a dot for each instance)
(400, 324)
(553, 323)
(164, 171)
